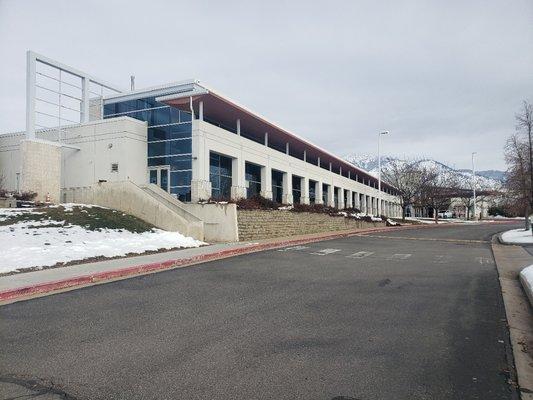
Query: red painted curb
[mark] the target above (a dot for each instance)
(82, 280)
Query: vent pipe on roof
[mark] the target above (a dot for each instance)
(132, 82)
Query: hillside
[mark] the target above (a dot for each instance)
(489, 180)
(51, 236)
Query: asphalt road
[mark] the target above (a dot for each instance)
(374, 317)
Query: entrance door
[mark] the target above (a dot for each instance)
(160, 176)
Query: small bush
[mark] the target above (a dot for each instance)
(25, 196)
(314, 208)
(257, 203)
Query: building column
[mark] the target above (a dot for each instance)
(200, 183)
(362, 203)
(318, 192)
(331, 196)
(287, 197)
(266, 182)
(304, 185)
(368, 207)
(340, 196)
(238, 182)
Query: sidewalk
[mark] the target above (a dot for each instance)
(37, 283)
(510, 260)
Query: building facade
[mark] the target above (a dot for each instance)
(188, 139)
(202, 145)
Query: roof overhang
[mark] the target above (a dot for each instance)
(189, 93)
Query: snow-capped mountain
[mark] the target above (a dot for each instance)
(489, 180)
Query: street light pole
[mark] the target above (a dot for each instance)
(379, 171)
(474, 183)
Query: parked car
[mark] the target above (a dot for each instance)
(445, 214)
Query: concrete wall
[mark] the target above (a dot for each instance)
(87, 152)
(265, 224)
(220, 221)
(210, 138)
(41, 169)
(132, 199)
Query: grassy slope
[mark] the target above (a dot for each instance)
(92, 218)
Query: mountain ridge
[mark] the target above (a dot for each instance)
(487, 179)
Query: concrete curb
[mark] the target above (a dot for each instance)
(510, 260)
(25, 292)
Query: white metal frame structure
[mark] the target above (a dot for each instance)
(33, 61)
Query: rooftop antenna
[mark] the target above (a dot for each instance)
(132, 82)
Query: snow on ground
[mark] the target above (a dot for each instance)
(519, 236)
(526, 277)
(43, 243)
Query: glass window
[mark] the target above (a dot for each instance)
(182, 146)
(312, 192)
(153, 176)
(277, 186)
(182, 193)
(253, 178)
(325, 193)
(180, 178)
(220, 173)
(296, 189)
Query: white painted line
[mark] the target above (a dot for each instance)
(399, 257)
(295, 248)
(442, 259)
(484, 260)
(360, 254)
(325, 252)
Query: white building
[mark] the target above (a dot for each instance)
(187, 138)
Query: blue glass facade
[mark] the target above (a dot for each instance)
(169, 139)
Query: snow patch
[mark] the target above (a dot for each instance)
(519, 236)
(40, 243)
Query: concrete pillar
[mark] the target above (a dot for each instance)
(266, 181)
(340, 196)
(368, 208)
(266, 138)
(287, 188)
(318, 193)
(331, 195)
(355, 203)
(200, 183)
(287, 148)
(318, 161)
(304, 197)
(201, 110)
(239, 127)
(238, 182)
(305, 155)
(330, 167)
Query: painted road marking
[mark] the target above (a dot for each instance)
(484, 260)
(399, 257)
(370, 235)
(360, 254)
(442, 259)
(294, 248)
(325, 252)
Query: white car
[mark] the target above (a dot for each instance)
(445, 214)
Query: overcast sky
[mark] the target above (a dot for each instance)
(445, 77)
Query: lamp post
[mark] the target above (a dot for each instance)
(379, 170)
(474, 183)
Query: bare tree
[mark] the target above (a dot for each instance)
(518, 180)
(438, 190)
(408, 178)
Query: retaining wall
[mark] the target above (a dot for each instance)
(265, 224)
